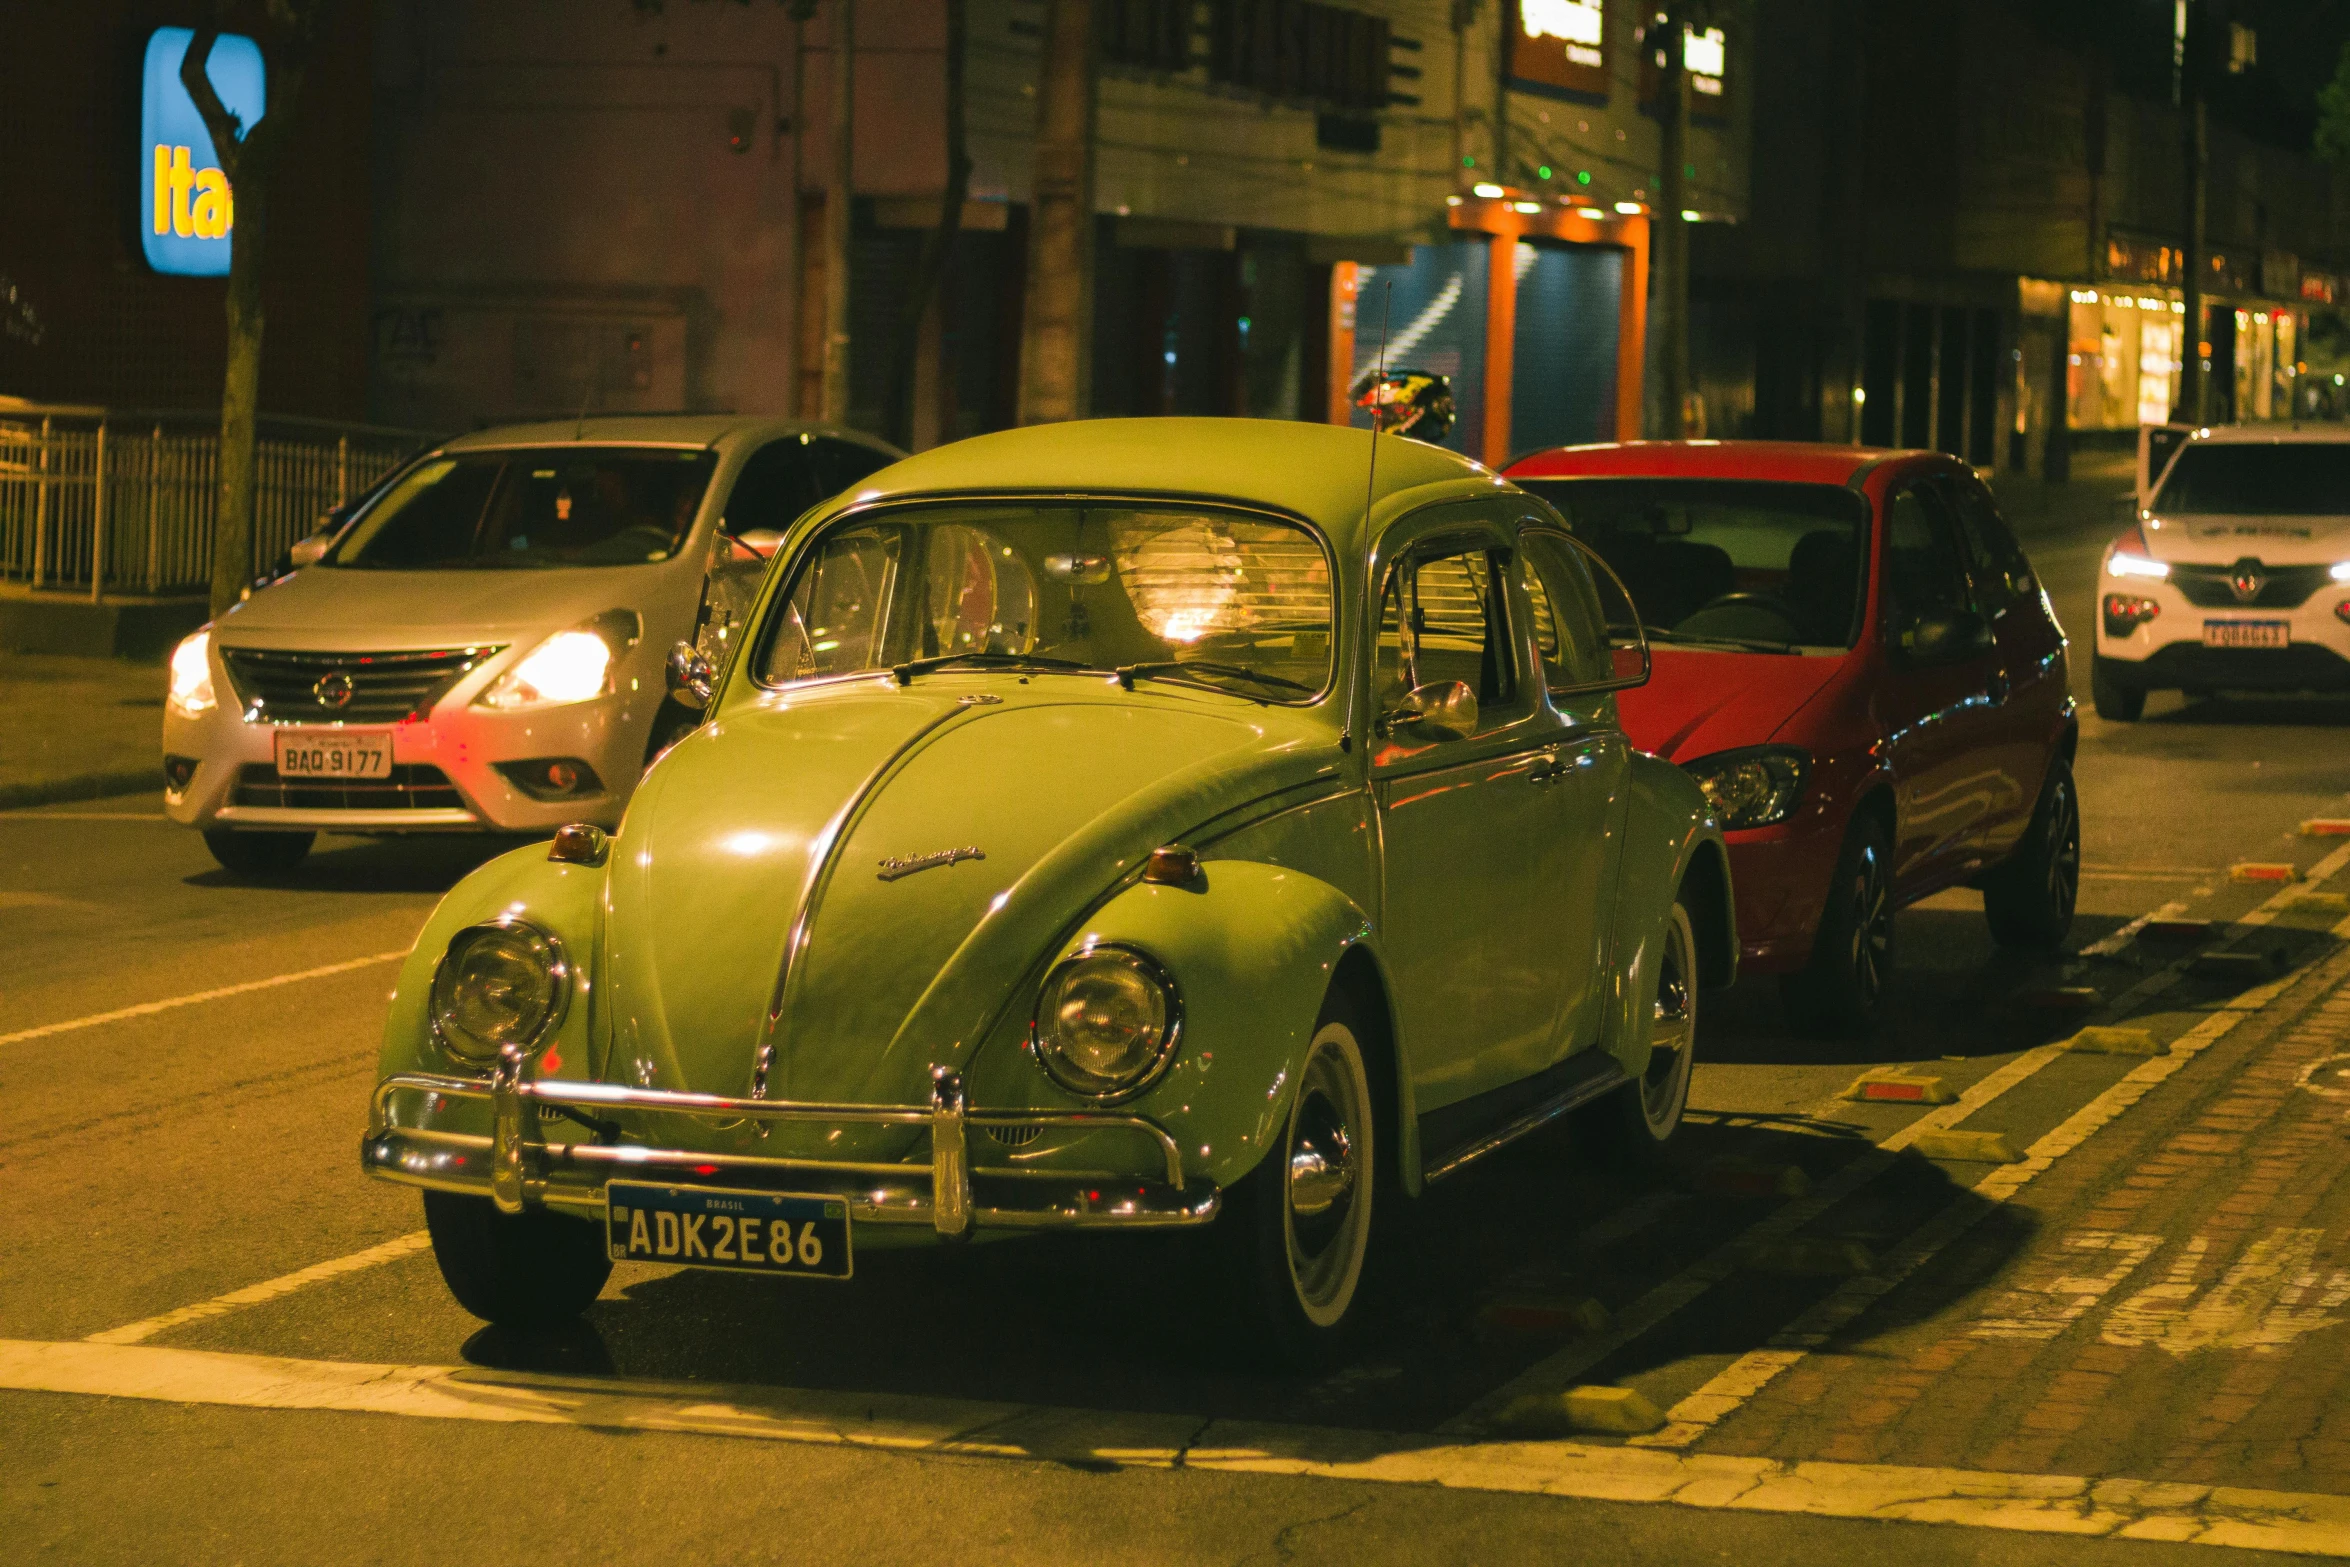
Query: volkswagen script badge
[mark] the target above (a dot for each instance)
(896, 866)
(333, 689)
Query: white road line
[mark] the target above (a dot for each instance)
(254, 1294)
(1562, 1368)
(148, 1008)
(2076, 1505)
(1690, 1419)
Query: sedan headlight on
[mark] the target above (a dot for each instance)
(504, 983)
(1106, 1022)
(570, 666)
(1752, 788)
(191, 675)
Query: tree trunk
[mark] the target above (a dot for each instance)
(240, 403)
(938, 244)
(838, 194)
(1056, 328)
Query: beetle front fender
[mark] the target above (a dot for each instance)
(1251, 948)
(1670, 838)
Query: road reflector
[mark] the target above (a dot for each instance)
(1615, 1411)
(2063, 998)
(1967, 1147)
(1811, 1257)
(2180, 931)
(2117, 1042)
(2236, 965)
(1747, 1178)
(1536, 1315)
(2326, 827)
(1901, 1087)
(2256, 870)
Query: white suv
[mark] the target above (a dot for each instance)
(480, 646)
(2235, 574)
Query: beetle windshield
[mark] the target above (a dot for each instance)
(555, 506)
(1729, 561)
(2255, 478)
(1181, 592)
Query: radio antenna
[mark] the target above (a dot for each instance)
(1378, 399)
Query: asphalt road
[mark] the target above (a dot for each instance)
(1866, 1335)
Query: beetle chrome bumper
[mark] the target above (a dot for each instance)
(516, 1167)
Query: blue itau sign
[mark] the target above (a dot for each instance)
(186, 212)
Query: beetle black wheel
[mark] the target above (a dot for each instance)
(257, 853)
(2029, 900)
(524, 1270)
(1639, 1118)
(1841, 990)
(1300, 1224)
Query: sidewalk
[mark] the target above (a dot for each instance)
(78, 728)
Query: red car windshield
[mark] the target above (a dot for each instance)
(1738, 562)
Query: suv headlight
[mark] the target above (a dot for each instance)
(504, 983)
(1106, 1022)
(191, 675)
(1752, 788)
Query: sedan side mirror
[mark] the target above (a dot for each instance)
(691, 679)
(310, 551)
(762, 542)
(1440, 710)
(1948, 639)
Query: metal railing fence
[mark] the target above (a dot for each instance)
(97, 500)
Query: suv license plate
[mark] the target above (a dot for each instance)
(745, 1232)
(2247, 633)
(333, 753)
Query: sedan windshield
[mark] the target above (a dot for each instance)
(2259, 478)
(1181, 593)
(1728, 561)
(557, 506)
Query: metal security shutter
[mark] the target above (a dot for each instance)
(1563, 378)
(1435, 323)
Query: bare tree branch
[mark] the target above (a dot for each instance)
(226, 130)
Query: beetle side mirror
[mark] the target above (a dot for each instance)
(691, 679)
(762, 542)
(1948, 639)
(1439, 710)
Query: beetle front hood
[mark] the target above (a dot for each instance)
(926, 845)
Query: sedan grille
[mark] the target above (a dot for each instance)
(2280, 587)
(412, 786)
(362, 688)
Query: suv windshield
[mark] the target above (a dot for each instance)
(1181, 592)
(1726, 560)
(2223, 479)
(557, 506)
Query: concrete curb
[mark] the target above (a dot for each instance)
(82, 786)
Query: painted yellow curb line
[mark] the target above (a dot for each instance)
(2036, 1503)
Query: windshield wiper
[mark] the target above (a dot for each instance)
(1702, 639)
(906, 672)
(1168, 669)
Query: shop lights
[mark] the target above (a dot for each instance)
(1525, 206)
(1630, 209)
(1487, 190)
(1597, 216)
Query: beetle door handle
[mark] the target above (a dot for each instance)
(1549, 770)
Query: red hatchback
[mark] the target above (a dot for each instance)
(1856, 662)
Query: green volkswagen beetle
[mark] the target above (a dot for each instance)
(1128, 825)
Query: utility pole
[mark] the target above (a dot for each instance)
(839, 191)
(1668, 230)
(1056, 326)
(2189, 44)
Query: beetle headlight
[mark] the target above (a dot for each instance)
(1751, 788)
(505, 983)
(1106, 1022)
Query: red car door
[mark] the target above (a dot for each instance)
(2031, 692)
(1938, 705)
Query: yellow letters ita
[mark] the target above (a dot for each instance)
(208, 214)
